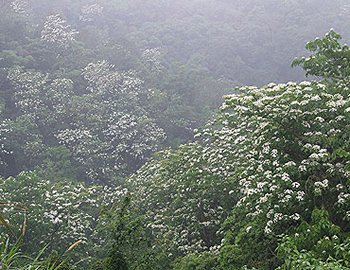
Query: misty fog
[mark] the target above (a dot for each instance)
(173, 134)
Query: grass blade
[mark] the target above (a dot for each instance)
(72, 246)
(24, 224)
(3, 221)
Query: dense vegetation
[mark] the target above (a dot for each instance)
(113, 154)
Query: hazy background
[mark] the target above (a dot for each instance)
(190, 53)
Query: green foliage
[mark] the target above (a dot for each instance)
(107, 130)
(8, 255)
(92, 107)
(328, 60)
(58, 214)
(2, 220)
(198, 261)
(290, 155)
(184, 195)
(128, 246)
(318, 245)
(249, 246)
(12, 258)
(278, 151)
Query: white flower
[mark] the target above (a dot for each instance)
(295, 185)
(267, 230)
(248, 229)
(57, 32)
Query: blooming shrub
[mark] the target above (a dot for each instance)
(107, 129)
(58, 214)
(291, 155)
(182, 194)
(291, 151)
(110, 132)
(276, 153)
(57, 32)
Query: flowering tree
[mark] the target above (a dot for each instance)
(58, 214)
(110, 132)
(39, 96)
(279, 151)
(5, 131)
(90, 12)
(329, 59)
(18, 6)
(291, 155)
(151, 59)
(57, 33)
(41, 104)
(107, 130)
(182, 193)
(292, 139)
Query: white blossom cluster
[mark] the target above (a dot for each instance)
(90, 12)
(152, 59)
(57, 32)
(57, 213)
(38, 96)
(28, 87)
(288, 142)
(108, 83)
(18, 6)
(5, 131)
(107, 129)
(182, 195)
(114, 127)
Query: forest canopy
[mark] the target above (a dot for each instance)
(129, 138)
